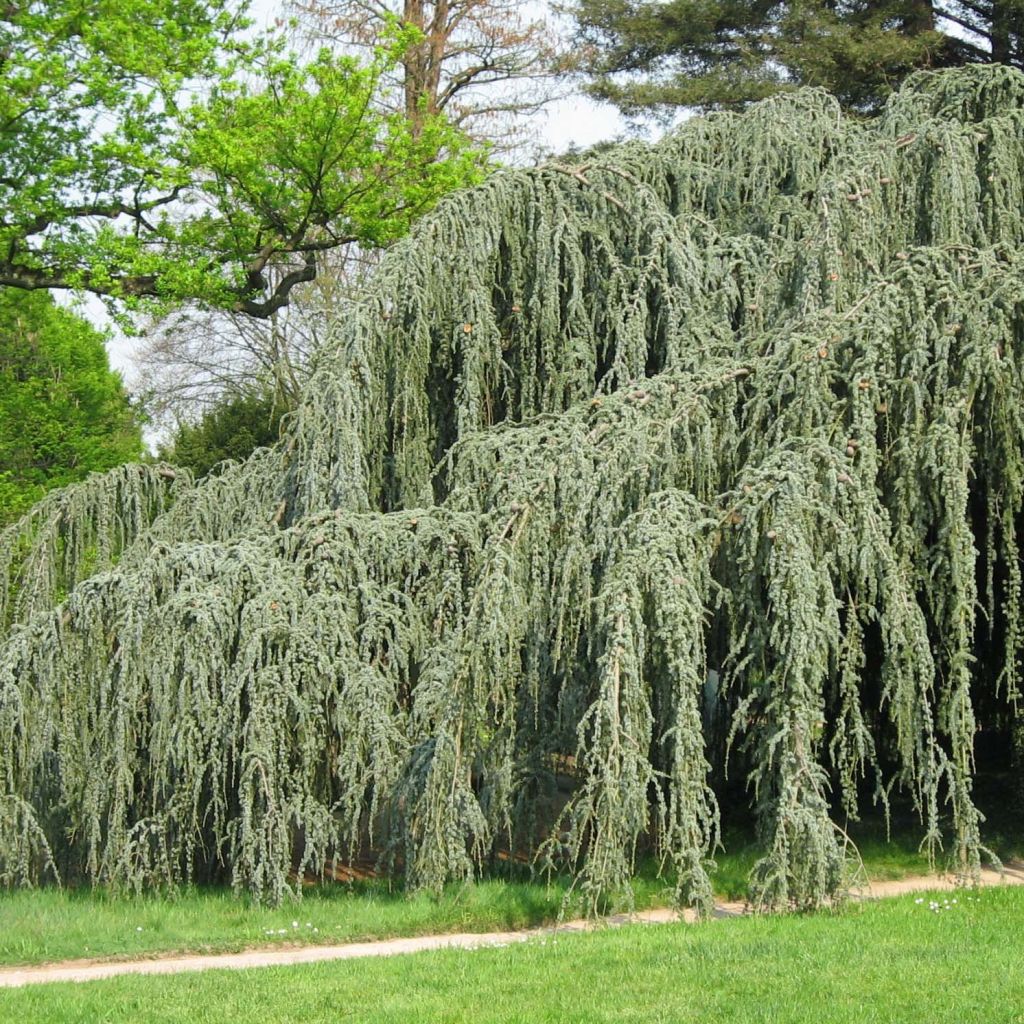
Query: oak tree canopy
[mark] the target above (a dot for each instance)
(161, 149)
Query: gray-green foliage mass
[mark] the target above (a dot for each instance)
(706, 452)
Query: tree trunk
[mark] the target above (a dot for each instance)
(416, 64)
(999, 33)
(1017, 760)
(437, 42)
(920, 17)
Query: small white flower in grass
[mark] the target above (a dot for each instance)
(920, 899)
(295, 924)
(282, 931)
(139, 929)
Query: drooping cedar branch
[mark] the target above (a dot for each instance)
(712, 452)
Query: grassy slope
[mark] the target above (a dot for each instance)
(47, 925)
(36, 927)
(892, 961)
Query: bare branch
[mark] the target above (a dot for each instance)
(279, 297)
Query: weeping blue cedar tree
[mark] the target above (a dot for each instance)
(722, 430)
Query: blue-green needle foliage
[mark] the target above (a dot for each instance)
(704, 453)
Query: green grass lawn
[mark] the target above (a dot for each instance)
(890, 962)
(49, 925)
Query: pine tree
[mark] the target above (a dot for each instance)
(229, 430)
(648, 56)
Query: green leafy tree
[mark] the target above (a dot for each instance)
(152, 148)
(63, 412)
(231, 429)
(646, 55)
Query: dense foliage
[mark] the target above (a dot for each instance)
(705, 456)
(646, 56)
(155, 148)
(230, 430)
(63, 412)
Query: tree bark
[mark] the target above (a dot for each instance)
(416, 65)
(1017, 758)
(999, 32)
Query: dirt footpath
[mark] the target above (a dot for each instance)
(91, 970)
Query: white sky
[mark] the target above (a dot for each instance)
(574, 120)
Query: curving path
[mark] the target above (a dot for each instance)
(91, 970)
